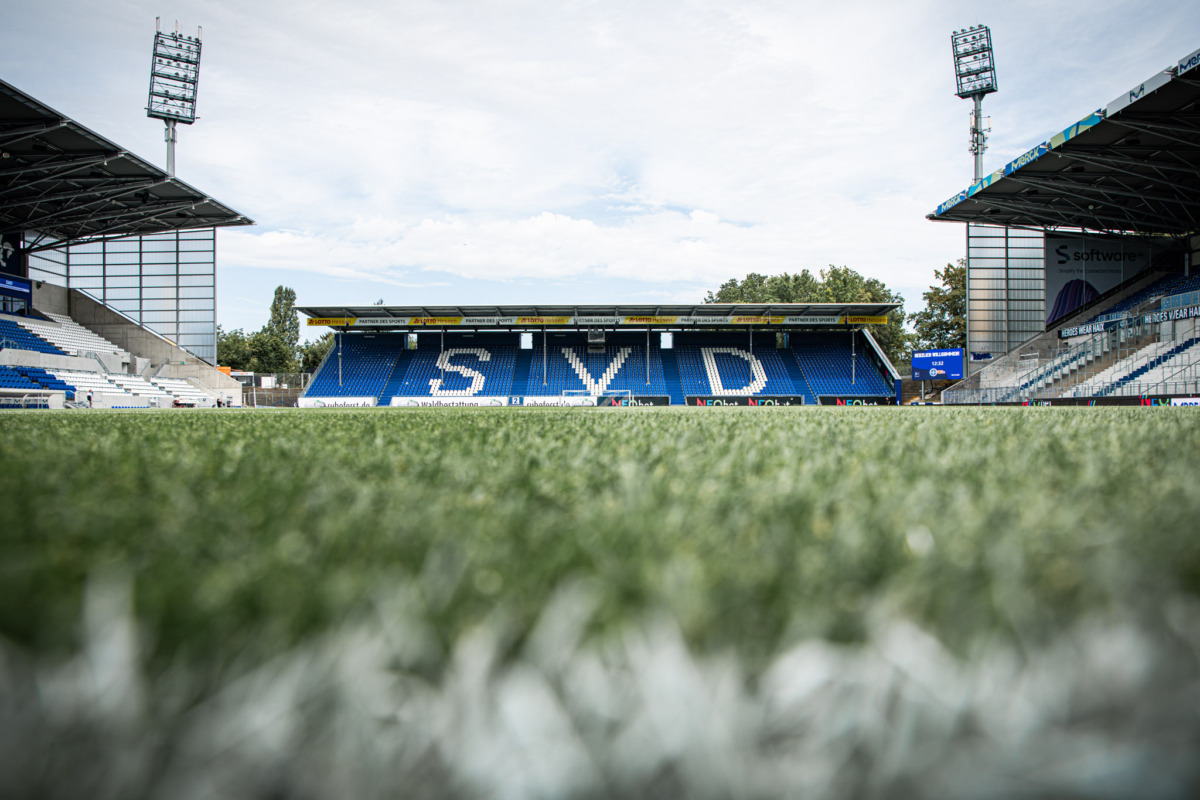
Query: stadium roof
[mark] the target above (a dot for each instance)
(581, 316)
(1130, 167)
(65, 183)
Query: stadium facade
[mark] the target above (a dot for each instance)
(107, 260)
(1093, 232)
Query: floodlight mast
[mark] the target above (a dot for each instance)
(174, 76)
(975, 73)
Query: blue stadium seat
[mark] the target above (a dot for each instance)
(366, 360)
(492, 364)
(825, 359)
(13, 334)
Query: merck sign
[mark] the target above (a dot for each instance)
(1188, 64)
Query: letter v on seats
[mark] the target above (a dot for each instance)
(591, 384)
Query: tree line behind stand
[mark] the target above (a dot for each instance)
(941, 324)
(276, 346)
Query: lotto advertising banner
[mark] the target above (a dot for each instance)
(1079, 269)
(938, 365)
(486, 322)
(744, 400)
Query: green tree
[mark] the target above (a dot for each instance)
(233, 349)
(269, 353)
(284, 322)
(943, 322)
(314, 352)
(834, 285)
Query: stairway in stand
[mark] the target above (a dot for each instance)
(799, 382)
(670, 364)
(397, 377)
(520, 382)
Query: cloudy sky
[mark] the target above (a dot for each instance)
(470, 152)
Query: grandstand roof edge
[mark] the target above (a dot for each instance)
(1079, 178)
(106, 190)
(594, 315)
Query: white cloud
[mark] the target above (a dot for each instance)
(667, 146)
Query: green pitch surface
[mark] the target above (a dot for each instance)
(248, 532)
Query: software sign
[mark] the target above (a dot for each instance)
(938, 365)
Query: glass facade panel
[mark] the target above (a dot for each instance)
(165, 281)
(1005, 288)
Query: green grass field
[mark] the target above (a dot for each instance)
(820, 603)
(246, 532)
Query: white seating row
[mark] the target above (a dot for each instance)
(69, 336)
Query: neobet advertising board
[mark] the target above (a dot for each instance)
(938, 365)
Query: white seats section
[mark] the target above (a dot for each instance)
(137, 385)
(758, 373)
(597, 387)
(1179, 367)
(69, 336)
(180, 388)
(85, 382)
(1120, 369)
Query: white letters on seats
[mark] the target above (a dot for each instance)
(757, 371)
(596, 387)
(443, 363)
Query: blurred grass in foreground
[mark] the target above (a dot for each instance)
(246, 533)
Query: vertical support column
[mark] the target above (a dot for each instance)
(339, 345)
(170, 135)
(545, 357)
(141, 287)
(853, 356)
(647, 356)
(977, 137)
(1007, 295)
(178, 331)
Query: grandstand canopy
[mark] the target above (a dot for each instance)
(66, 184)
(717, 315)
(1130, 167)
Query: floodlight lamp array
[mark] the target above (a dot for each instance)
(974, 65)
(174, 76)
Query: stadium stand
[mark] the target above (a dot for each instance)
(367, 362)
(46, 380)
(69, 336)
(467, 366)
(824, 360)
(493, 364)
(572, 366)
(180, 390)
(10, 378)
(13, 334)
(723, 364)
(1167, 286)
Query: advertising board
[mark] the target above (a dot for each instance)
(447, 402)
(337, 402)
(834, 400)
(938, 365)
(1079, 269)
(745, 400)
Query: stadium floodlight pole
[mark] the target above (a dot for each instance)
(975, 74)
(174, 76)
